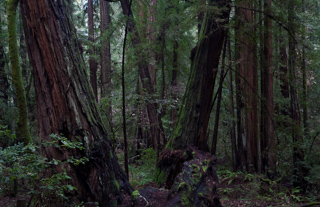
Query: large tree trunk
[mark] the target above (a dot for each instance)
(192, 124)
(66, 103)
(247, 86)
(191, 127)
(267, 109)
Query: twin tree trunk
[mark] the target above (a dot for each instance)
(66, 103)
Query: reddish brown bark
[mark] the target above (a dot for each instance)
(247, 85)
(267, 108)
(66, 104)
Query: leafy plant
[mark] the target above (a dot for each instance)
(19, 162)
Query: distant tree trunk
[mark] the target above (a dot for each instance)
(284, 81)
(267, 108)
(201, 15)
(92, 61)
(23, 123)
(174, 81)
(219, 93)
(152, 40)
(235, 155)
(66, 104)
(192, 124)
(3, 77)
(297, 138)
(105, 54)
(156, 131)
(239, 98)
(304, 79)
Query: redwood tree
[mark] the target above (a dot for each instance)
(66, 103)
(246, 86)
(192, 124)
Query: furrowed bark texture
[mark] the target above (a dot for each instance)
(23, 123)
(66, 103)
(247, 86)
(191, 127)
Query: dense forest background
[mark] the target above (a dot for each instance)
(123, 93)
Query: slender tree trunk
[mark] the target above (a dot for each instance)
(174, 81)
(105, 55)
(23, 123)
(235, 155)
(126, 163)
(152, 40)
(219, 92)
(304, 79)
(297, 138)
(66, 104)
(267, 108)
(3, 77)
(239, 96)
(92, 61)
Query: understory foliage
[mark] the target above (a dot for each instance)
(248, 189)
(24, 165)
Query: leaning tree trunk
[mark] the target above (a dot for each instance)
(191, 127)
(192, 124)
(66, 103)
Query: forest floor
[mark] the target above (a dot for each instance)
(235, 189)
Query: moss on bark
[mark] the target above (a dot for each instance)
(23, 125)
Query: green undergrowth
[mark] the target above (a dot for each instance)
(255, 189)
(25, 166)
(142, 169)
